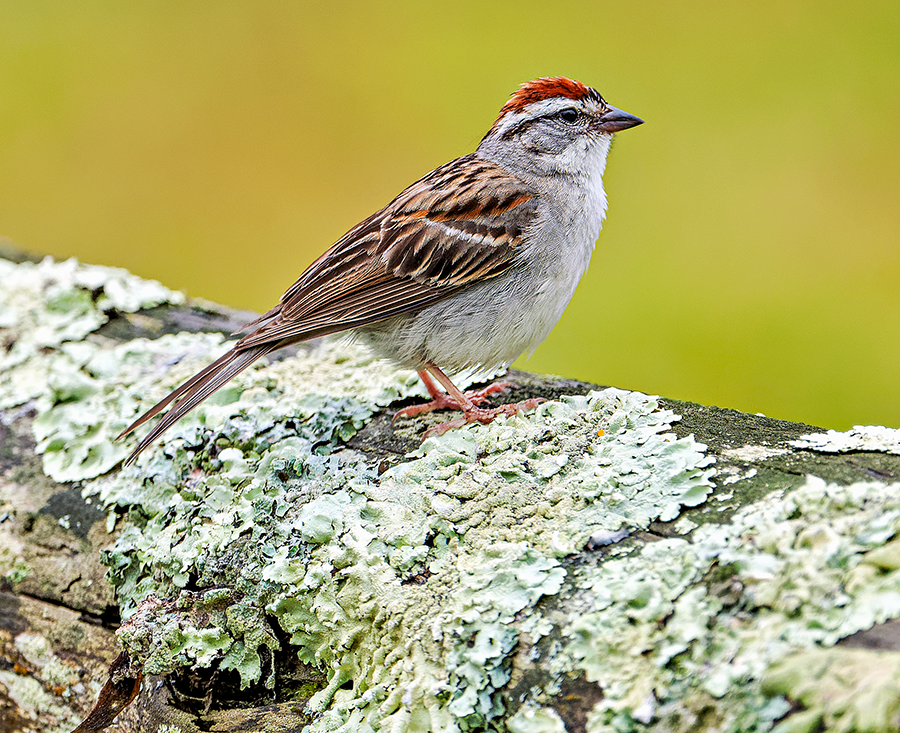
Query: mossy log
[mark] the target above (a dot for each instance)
(291, 559)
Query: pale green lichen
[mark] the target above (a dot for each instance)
(325, 542)
(52, 671)
(94, 392)
(46, 312)
(532, 719)
(841, 689)
(45, 305)
(860, 438)
(32, 691)
(18, 572)
(793, 572)
(420, 584)
(312, 535)
(201, 628)
(41, 706)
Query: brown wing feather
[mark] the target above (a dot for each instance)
(459, 224)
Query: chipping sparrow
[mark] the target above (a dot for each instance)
(470, 266)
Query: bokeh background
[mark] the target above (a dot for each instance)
(751, 257)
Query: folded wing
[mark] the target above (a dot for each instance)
(460, 224)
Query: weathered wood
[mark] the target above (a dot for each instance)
(531, 645)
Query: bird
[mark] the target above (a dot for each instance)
(468, 267)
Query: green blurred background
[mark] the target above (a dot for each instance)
(751, 257)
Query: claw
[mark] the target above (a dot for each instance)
(444, 401)
(468, 402)
(483, 416)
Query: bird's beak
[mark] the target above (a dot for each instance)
(615, 120)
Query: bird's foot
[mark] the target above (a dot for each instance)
(444, 401)
(484, 416)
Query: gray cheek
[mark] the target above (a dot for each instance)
(547, 141)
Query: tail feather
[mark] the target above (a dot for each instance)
(190, 394)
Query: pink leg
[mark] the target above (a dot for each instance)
(449, 400)
(468, 402)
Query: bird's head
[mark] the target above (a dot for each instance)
(555, 123)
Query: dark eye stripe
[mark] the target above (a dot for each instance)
(566, 115)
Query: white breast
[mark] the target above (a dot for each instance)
(491, 324)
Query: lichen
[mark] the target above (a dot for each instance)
(309, 535)
(46, 305)
(201, 628)
(709, 616)
(840, 689)
(327, 546)
(46, 312)
(37, 692)
(413, 589)
(860, 438)
(36, 703)
(532, 719)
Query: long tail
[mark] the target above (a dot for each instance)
(193, 392)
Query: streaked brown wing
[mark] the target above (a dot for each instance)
(459, 224)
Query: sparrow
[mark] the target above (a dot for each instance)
(470, 266)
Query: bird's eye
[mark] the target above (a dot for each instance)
(569, 115)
